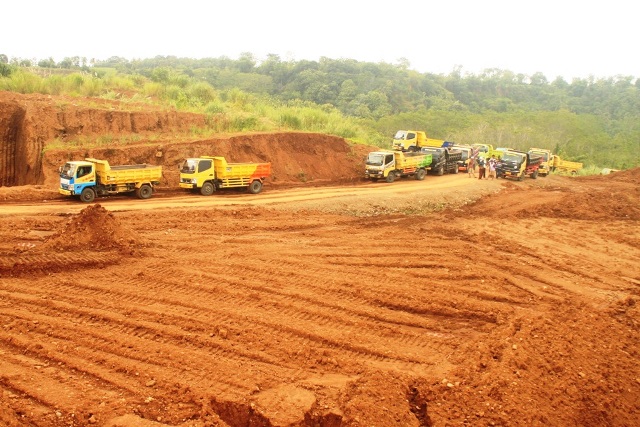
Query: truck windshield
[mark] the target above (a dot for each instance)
(189, 166)
(400, 135)
(507, 157)
(375, 159)
(544, 155)
(68, 171)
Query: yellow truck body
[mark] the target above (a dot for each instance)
(93, 177)
(211, 173)
(413, 140)
(389, 165)
(566, 166)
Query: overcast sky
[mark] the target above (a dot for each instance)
(558, 38)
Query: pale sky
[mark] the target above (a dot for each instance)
(558, 38)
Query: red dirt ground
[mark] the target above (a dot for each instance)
(323, 301)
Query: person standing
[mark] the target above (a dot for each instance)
(481, 168)
(471, 167)
(493, 162)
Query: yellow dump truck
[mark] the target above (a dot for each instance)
(211, 173)
(389, 165)
(90, 177)
(414, 140)
(547, 160)
(566, 166)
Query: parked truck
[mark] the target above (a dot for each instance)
(518, 164)
(414, 140)
(566, 166)
(551, 162)
(211, 173)
(466, 152)
(444, 160)
(389, 165)
(546, 164)
(88, 178)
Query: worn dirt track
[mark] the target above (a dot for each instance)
(323, 301)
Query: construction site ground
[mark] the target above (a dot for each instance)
(325, 300)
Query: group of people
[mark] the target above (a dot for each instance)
(483, 164)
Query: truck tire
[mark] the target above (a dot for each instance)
(144, 192)
(420, 173)
(521, 176)
(440, 170)
(534, 175)
(207, 189)
(255, 187)
(456, 169)
(391, 177)
(88, 195)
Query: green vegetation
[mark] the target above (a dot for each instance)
(594, 121)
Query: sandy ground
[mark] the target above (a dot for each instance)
(443, 302)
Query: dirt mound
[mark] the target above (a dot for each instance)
(587, 198)
(93, 229)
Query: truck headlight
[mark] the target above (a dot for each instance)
(194, 181)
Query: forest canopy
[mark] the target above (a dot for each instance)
(596, 121)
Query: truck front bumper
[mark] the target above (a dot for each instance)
(65, 192)
(189, 186)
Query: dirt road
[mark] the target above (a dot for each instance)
(443, 302)
(327, 197)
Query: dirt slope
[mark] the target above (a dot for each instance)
(355, 304)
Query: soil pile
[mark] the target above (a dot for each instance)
(93, 229)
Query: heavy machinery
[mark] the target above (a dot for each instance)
(90, 177)
(211, 173)
(389, 165)
(414, 140)
(518, 164)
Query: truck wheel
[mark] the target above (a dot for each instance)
(144, 192)
(207, 189)
(420, 173)
(521, 176)
(391, 177)
(88, 195)
(456, 170)
(255, 187)
(534, 175)
(440, 171)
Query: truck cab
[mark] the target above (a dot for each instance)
(518, 164)
(76, 176)
(547, 160)
(413, 140)
(378, 164)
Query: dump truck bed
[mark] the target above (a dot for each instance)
(124, 174)
(225, 170)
